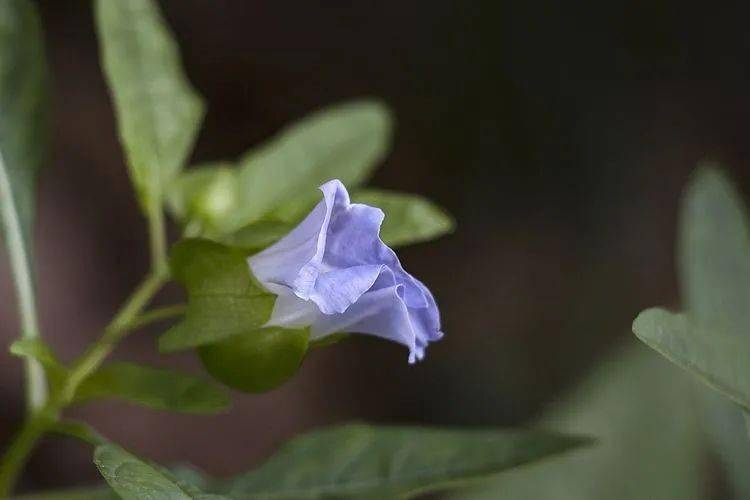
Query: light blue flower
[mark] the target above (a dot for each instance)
(334, 274)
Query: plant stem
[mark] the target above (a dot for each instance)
(20, 263)
(157, 238)
(113, 333)
(41, 421)
(18, 454)
(46, 411)
(158, 314)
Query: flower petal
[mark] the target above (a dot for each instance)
(334, 274)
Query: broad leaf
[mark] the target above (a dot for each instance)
(713, 339)
(361, 461)
(279, 179)
(719, 358)
(408, 218)
(155, 388)
(649, 441)
(223, 298)
(23, 141)
(134, 479)
(158, 112)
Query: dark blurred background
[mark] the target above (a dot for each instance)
(559, 134)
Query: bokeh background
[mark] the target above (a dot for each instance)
(559, 135)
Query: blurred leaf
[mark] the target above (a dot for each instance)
(223, 299)
(93, 493)
(713, 339)
(134, 479)
(408, 218)
(279, 179)
(720, 359)
(361, 461)
(39, 350)
(24, 106)
(158, 112)
(714, 254)
(648, 439)
(154, 388)
(714, 265)
(259, 235)
(189, 477)
(36, 348)
(725, 427)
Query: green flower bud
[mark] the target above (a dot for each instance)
(256, 361)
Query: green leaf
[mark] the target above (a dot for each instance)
(24, 133)
(713, 339)
(714, 254)
(719, 358)
(93, 493)
(158, 112)
(154, 388)
(649, 441)
(224, 300)
(362, 461)
(134, 479)
(259, 235)
(408, 218)
(37, 349)
(279, 179)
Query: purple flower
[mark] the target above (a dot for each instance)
(334, 274)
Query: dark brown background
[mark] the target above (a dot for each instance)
(559, 134)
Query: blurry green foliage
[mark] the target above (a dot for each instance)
(155, 388)
(648, 439)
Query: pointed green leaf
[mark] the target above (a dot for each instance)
(135, 479)
(158, 112)
(649, 440)
(408, 218)
(23, 140)
(279, 179)
(719, 358)
(362, 461)
(38, 350)
(224, 300)
(155, 388)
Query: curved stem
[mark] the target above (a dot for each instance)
(113, 333)
(24, 442)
